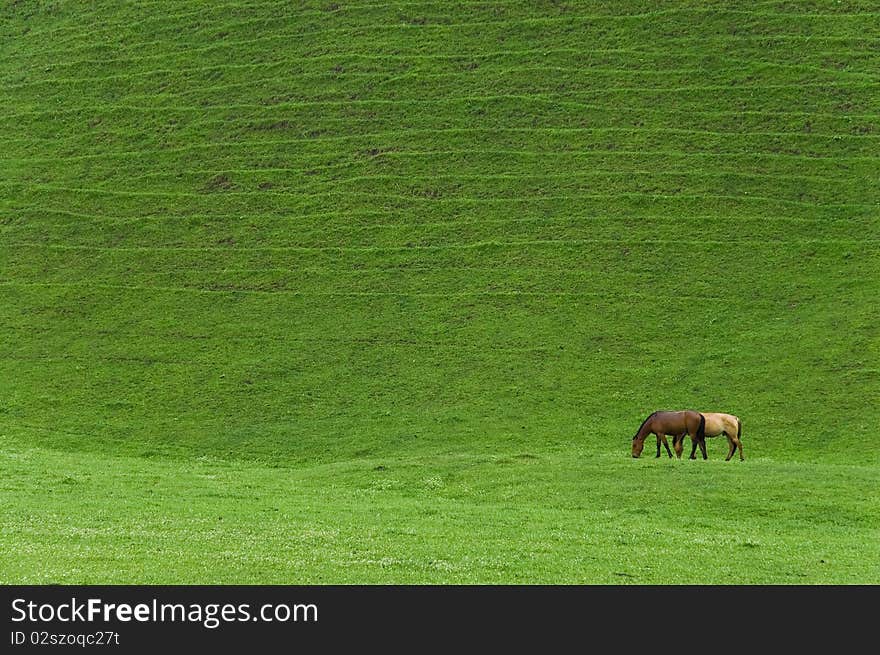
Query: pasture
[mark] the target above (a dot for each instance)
(381, 292)
(562, 515)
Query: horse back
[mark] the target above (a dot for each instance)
(670, 422)
(717, 422)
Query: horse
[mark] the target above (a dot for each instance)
(662, 423)
(716, 424)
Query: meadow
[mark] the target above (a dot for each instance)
(379, 293)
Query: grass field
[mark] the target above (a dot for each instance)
(379, 292)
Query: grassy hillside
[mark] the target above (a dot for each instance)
(430, 264)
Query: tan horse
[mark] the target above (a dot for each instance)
(716, 424)
(678, 424)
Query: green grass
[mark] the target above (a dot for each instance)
(389, 288)
(496, 516)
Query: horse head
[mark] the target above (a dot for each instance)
(638, 445)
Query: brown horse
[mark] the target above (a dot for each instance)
(678, 424)
(716, 424)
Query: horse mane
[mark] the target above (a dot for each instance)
(643, 425)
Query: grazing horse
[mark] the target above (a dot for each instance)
(716, 424)
(678, 424)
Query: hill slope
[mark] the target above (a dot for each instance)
(359, 232)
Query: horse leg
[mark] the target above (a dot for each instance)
(703, 448)
(661, 437)
(666, 444)
(732, 449)
(737, 443)
(678, 445)
(694, 442)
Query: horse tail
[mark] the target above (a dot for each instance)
(701, 431)
(739, 428)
